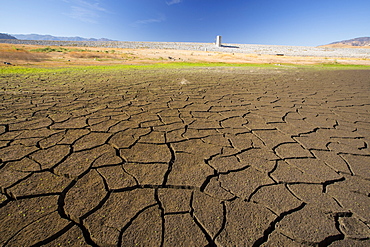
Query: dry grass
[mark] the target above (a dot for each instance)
(22, 56)
(345, 46)
(72, 56)
(91, 55)
(13, 54)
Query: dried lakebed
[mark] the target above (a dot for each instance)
(187, 157)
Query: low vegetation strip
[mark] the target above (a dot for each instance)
(57, 49)
(91, 69)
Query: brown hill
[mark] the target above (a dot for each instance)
(362, 42)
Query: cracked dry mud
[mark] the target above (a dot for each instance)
(188, 157)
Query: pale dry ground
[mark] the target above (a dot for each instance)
(23, 55)
(345, 46)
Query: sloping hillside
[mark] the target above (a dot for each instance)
(362, 42)
(6, 36)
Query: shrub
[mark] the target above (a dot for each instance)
(57, 49)
(49, 49)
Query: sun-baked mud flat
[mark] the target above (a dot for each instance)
(185, 157)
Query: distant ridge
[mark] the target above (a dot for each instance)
(50, 37)
(362, 42)
(6, 36)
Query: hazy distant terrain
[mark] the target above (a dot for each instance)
(6, 36)
(50, 37)
(362, 42)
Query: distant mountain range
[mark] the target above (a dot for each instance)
(357, 42)
(362, 42)
(6, 36)
(47, 37)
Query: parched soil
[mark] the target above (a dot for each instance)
(186, 157)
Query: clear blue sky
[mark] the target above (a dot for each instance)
(279, 22)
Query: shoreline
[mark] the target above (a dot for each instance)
(294, 51)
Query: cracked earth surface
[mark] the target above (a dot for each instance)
(188, 157)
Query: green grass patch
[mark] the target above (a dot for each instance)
(106, 68)
(340, 66)
(102, 68)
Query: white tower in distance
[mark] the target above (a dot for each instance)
(218, 41)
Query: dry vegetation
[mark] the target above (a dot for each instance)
(16, 54)
(33, 55)
(58, 56)
(340, 45)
